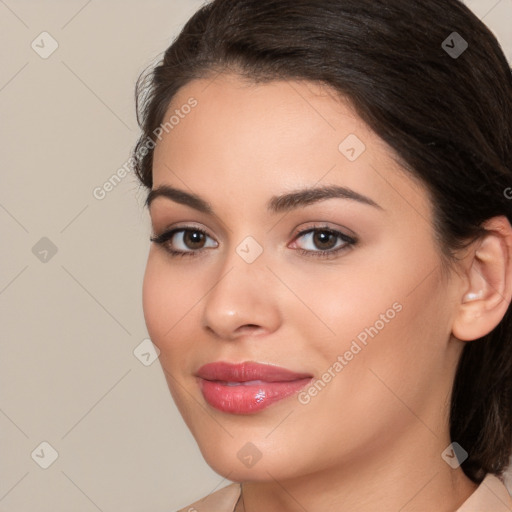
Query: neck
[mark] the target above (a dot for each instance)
(409, 476)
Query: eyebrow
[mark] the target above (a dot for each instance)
(276, 204)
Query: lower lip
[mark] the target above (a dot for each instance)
(248, 398)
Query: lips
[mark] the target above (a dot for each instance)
(248, 371)
(247, 387)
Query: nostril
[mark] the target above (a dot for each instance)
(250, 327)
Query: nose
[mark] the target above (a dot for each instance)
(241, 300)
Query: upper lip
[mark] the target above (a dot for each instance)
(248, 371)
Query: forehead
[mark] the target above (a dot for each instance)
(272, 115)
(255, 139)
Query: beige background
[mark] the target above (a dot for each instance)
(70, 324)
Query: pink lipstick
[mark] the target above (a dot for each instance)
(247, 387)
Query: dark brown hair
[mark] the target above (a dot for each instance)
(448, 117)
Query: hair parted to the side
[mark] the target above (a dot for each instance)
(449, 120)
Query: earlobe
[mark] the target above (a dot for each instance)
(488, 293)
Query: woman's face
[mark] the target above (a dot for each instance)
(368, 323)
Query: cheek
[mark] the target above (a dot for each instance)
(154, 299)
(386, 309)
(346, 298)
(168, 299)
(386, 361)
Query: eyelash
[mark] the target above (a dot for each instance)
(163, 238)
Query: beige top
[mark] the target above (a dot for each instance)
(490, 496)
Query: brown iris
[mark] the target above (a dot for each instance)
(324, 237)
(193, 239)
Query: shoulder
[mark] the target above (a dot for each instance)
(223, 500)
(491, 495)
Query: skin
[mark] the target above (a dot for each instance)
(372, 439)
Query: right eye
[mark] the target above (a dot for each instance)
(184, 241)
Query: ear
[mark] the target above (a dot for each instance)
(488, 292)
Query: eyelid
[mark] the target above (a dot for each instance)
(190, 226)
(343, 231)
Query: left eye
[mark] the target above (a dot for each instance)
(324, 240)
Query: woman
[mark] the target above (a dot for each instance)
(330, 278)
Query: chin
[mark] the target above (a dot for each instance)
(240, 459)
